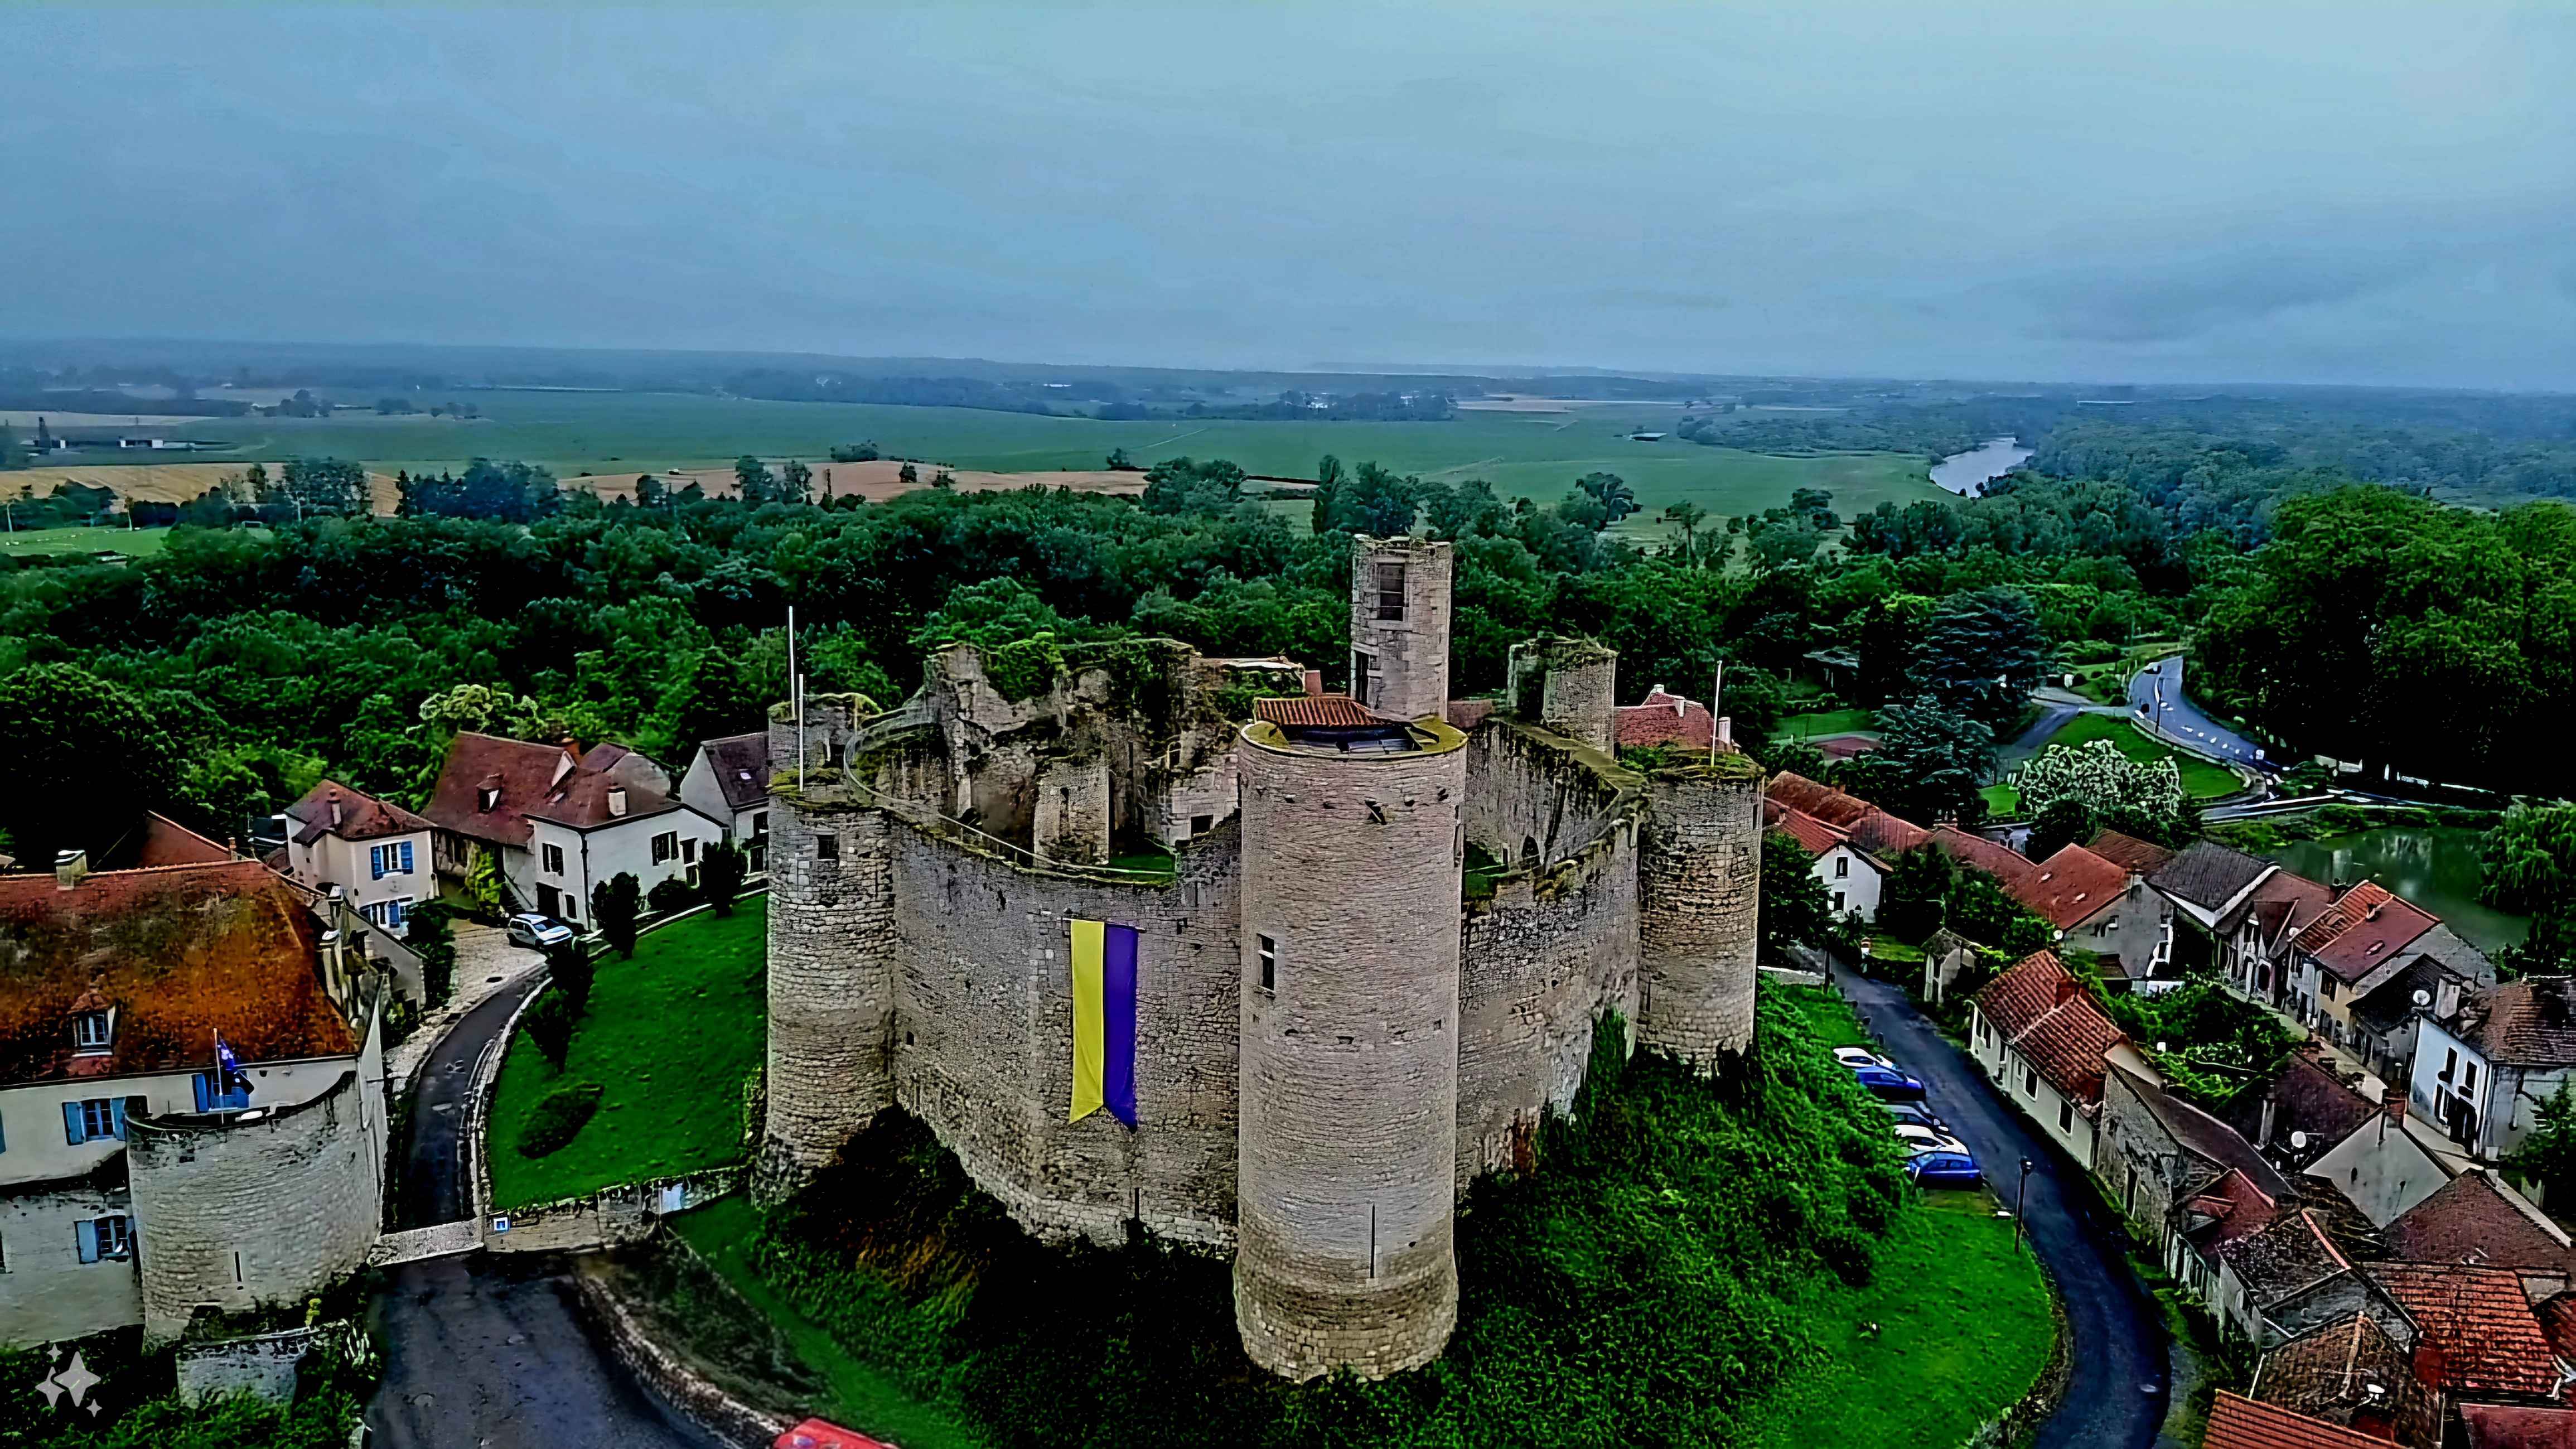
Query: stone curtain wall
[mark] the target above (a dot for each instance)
(1699, 883)
(296, 1194)
(831, 997)
(1524, 783)
(981, 1045)
(1072, 809)
(1572, 686)
(1350, 1066)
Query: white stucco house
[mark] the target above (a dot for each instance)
(728, 781)
(560, 821)
(2481, 1073)
(375, 851)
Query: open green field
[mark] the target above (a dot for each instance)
(1825, 724)
(671, 1036)
(1524, 454)
(30, 542)
(859, 1395)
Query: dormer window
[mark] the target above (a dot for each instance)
(487, 797)
(92, 1031)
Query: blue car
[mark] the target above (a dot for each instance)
(1890, 1083)
(1943, 1169)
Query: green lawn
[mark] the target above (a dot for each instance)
(671, 1036)
(1964, 1326)
(860, 1397)
(1963, 1331)
(2201, 779)
(29, 542)
(2003, 802)
(1825, 723)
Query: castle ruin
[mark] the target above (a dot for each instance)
(1339, 1026)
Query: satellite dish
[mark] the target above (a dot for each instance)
(2298, 1142)
(2161, 1047)
(2423, 998)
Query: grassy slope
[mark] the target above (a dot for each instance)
(861, 1396)
(1536, 455)
(671, 1035)
(2200, 778)
(1826, 723)
(28, 542)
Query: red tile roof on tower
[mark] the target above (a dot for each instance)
(2047, 1016)
(2471, 1220)
(180, 952)
(2129, 853)
(2482, 1330)
(2072, 885)
(2236, 1422)
(361, 817)
(1664, 719)
(1317, 711)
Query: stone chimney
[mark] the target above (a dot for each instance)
(1314, 683)
(1726, 731)
(617, 800)
(335, 810)
(71, 867)
(2446, 999)
(2067, 986)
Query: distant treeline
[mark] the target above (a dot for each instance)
(30, 400)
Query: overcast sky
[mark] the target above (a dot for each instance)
(2051, 191)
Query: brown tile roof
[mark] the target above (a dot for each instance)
(1317, 711)
(2531, 1022)
(2511, 1426)
(2304, 1097)
(2072, 886)
(1798, 825)
(2000, 861)
(2283, 1256)
(2209, 874)
(2206, 1137)
(361, 817)
(1824, 802)
(1884, 835)
(533, 785)
(740, 764)
(167, 842)
(2365, 929)
(1664, 719)
(2471, 1220)
(2060, 1032)
(2557, 1315)
(180, 951)
(2285, 900)
(2236, 1422)
(2129, 853)
(2328, 1373)
(2234, 1208)
(2481, 1327)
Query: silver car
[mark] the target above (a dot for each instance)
(537, 932)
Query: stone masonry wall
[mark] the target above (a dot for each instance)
(237, 1213)
(1412, 652)
(1350, 1061)
(831, 995)
(1570, 686)
(1072, 809)
(981, 1044)
(1699, 883)
(1521, 787)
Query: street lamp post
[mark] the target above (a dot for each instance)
(2021, 1203)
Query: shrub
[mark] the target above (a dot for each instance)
(720, 876)
(549, 1025)
(670, 894)
(614, 904)
(427, 932)
(558, 1117)
(570, 966)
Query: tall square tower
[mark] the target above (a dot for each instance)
(1400, 625)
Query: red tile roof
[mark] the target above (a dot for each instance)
(2471, 1220)
(167, 842)
(2531, 1022)
(1664, 719)
(1798, 825)
(2235, 1207)
(540, 782)
(1824, 802)
(1317, 711)
(2506, 1426)
(1882, 834)
(2331, 1372)
(2557, 1315)
(2129, 853)
(2285, 901)
(361, 816)
(2060, 1032)
(2236, 1422)
(2363, 930)
(180, 951)
(2072, 886)
(2485, 1336)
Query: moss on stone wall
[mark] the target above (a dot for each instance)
(1023, 668)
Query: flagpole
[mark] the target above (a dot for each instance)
(1716, 689)
(796, 683)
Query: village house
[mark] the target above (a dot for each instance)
(2481, 1075)
(2366, 941)
(2254, 936)
(728, 782)
(2158, 1151)
(2354, 1374)
(559, 821)
(376, 852)
(2207, 882)
(2044, 1042)
(2479, 1337)
(2237, 1422)
(1853, 841)
(2132, 939)
(2305, 1109)
(2388, 1164)
(139, 1179)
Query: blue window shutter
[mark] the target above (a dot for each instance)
(406, 857)
(205, 1090)
(72, 1124)
(87, 1232)
(376, 862)
(116, 1110)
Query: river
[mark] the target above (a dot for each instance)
(1962, 472)
(2435, 867)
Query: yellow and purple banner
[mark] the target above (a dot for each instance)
(1104, 1020)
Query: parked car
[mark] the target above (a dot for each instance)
(537, 932)
(1859, 1057)
(1943, 1169)
(1914, 1112)
(1926, 1139)
(1890, 1083)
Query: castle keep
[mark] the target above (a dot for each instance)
(1338, 1025)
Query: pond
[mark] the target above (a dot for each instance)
(2436, 867)
(1962, 472)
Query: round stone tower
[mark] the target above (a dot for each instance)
(1699, 879)
(1347, 1153)
(1567, 685)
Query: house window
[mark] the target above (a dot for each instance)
(827, 847)
(110, 1237)
(2066, 1115)
(1364, 677)
(90, 1031)
(2468, 1079)
(1842, 866)
(1202, 824)
(487, 798)
(385, 860)
(1838, 900)
(1985, 1030)
(2326, 987)
(553, 859)
(1269, 963)
(94, 1118)
(1390, 591)
(666, 846)
(388, 914)
(689, 851)
(759, 824)
(2029, 1081)
(2450, 1063)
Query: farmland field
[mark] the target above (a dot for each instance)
(133, 542)
(1524, 454)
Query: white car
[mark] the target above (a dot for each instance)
(537, 932)
(1918, 1138)
(1859, 1057)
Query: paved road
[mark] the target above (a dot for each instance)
(2156, 694)
(2116, 1397)
(485, 1352)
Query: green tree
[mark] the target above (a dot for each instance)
(1915, 902)
(1931, 764)
(1119, 462)
(549, 1025)
(1329, 478)
(1687, 516)
(614, 905)
(570, 966)
(326, 485)
(11, 455)
(86, 760)
(650, 491)
(720, 871)
(427, 931)
(2061, 823)
(1610, 493)
(1890, 635)
(709, 702)
(907, 474)
(795, 482)
(1795, 908)
(2547, 1155)
(1981, 656)
(1185, 486)
(753, 477)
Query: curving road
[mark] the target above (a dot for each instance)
(2156, 695)
(485, 1352)
(2115, 1397)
